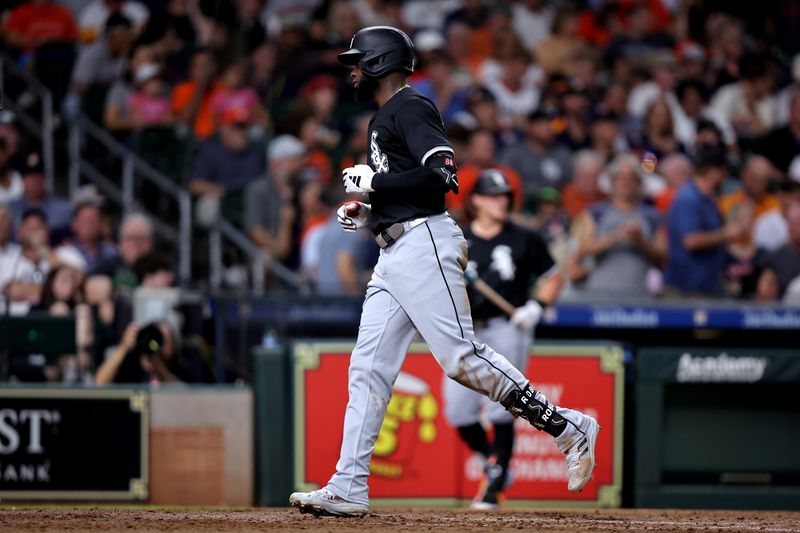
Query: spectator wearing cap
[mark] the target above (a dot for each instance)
(192, 99)
(233, 96)
(135, 240)
(784, 263)
(228, 163)
(696, 230)
(149, 104)
(87, 238)
(747, 105)
(23, 273)
(35, 195)
(552, 222)
(269, 214)
(539, 160)
(575, 114)
(482, 113)
(11, 186)
(93, 19)
(782, 145)
(582, 190)
(691, 62)
(480, 155)
(440, 85)
(623, 238)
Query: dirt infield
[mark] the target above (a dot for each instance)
(406, 520)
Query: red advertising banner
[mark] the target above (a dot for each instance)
(419, 458)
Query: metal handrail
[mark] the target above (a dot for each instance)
(260, 259)
(124, 196)
(43, 132)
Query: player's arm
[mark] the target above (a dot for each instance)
(438, 173)
(549, 286)
(421, 127)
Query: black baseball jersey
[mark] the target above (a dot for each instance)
(507, 263)
(403, 134)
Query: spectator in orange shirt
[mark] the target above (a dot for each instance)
(481, 156)
(755, 179)
(192, 99)
(36, 22)
(582, 191)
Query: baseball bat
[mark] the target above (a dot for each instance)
(489, 293)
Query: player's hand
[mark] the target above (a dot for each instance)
(353, 215)
(358, 179)
(527, 316)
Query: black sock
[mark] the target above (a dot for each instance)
(503, 444)
(475, 437)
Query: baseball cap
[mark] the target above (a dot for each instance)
(539, 114)
(235, 116)
(548, 195)
(31, 164)
(690, 51)
(284, 146)
(429, 39)
(86, 195)
(146, 72)
(478, 94)
(491, 182)
(320, 81)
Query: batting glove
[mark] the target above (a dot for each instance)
(353, 215)
(358, 178)
(527, 316)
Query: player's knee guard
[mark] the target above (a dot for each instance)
(539, 412)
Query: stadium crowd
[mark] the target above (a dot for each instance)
(654, 143)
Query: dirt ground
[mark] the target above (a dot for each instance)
(29, 519)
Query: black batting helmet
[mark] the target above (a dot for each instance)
(492, 182)
(378, 50)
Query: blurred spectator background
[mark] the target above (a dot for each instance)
(654, 143)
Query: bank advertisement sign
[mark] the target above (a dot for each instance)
(73, 444)
(419, 458)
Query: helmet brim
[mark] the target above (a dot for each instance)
(351, 57)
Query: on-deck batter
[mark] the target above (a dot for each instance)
(507, 257)
(419, 279)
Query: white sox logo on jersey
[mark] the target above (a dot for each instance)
(379, 160)
(502, 262)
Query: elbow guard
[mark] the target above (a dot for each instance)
(443, 164)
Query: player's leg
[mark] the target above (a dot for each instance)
(515, 344)
(439, 308)
(384, 335)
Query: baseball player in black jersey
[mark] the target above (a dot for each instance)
(507, 257)
(418, 282)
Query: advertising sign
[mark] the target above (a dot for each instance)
(73, 444)
(419, 458)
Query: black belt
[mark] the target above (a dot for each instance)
(390, 235)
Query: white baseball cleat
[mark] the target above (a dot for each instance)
(578, 443)
(323, 502)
